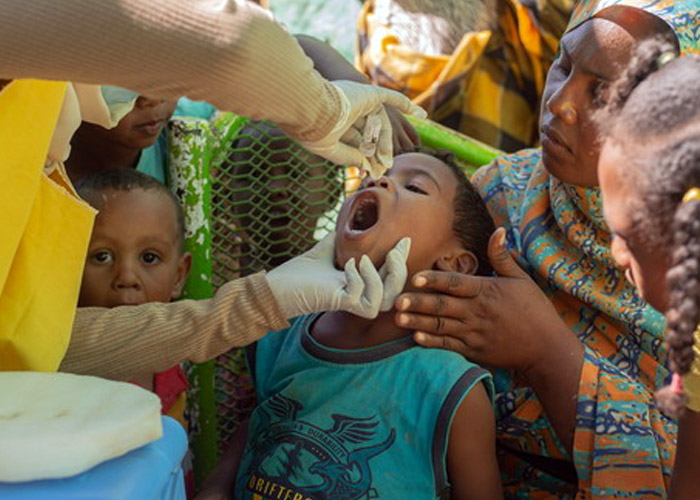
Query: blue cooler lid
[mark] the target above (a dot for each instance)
(153, 471)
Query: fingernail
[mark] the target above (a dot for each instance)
(420, 281)
(403, 319)
(501, 237)
(418, 112)
(404, 304)
(419, 337)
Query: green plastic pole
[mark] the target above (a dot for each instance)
(189, 178)
(470, 151)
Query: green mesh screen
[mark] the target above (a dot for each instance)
(271, 200)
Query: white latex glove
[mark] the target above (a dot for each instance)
(310, 283)
(358, 102)
(394, 273)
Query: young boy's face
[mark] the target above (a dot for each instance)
(416, 199)
(140, 127)
(134, 255)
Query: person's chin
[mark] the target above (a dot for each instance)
(140, 140)
(567, 168)
(343, 256)
(561, 165)
(346, 250)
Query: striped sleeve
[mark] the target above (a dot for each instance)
(229, 53)
(121, 342)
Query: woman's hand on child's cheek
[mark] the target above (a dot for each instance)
(405, 137)
(504, 321)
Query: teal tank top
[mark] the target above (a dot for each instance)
(350, 424)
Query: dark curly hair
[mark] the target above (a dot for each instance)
(655, 107)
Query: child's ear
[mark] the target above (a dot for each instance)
(183, 269)
(461, 261)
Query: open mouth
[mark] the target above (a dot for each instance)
(365, 213)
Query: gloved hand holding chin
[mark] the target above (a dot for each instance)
(311, 283)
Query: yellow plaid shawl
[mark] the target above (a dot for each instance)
(490, 87)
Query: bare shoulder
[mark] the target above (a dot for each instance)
(471, 453)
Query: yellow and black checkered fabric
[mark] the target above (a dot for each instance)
(490, 87)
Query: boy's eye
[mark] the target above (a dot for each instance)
(150, 257)
(102, 257)
(415, 189)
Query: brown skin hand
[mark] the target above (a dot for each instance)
(220, 482)
(465, 314)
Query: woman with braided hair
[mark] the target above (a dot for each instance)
(580, 353)
(649, 171)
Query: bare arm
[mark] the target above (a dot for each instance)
(153, 337)
(220, 483)
(328, 61)
(555, 379)
(685, 481)
(471, 451)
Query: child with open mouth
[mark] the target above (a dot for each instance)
(352, 407)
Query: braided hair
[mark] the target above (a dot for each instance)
(656, 103)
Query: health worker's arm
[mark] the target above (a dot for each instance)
(229, 53)
(333, 66)
(122, 342)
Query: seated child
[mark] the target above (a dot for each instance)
(135, 256)
(351, 408)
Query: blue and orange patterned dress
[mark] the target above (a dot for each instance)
(623, 446)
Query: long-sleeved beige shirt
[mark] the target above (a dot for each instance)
(229, 53)
(123, 342)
